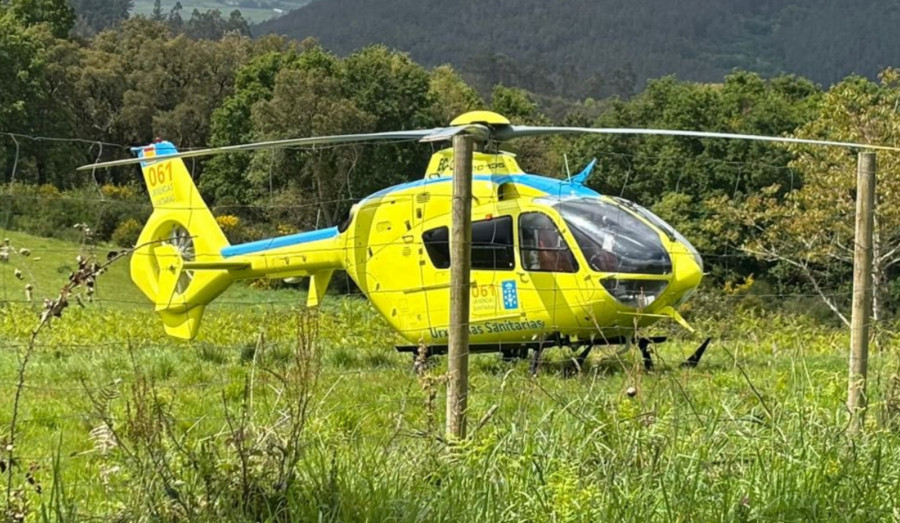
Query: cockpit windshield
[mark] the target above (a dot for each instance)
(665, 227)
(613, 239)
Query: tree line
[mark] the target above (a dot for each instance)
(755, 210)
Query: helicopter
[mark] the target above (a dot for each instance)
(553, 262)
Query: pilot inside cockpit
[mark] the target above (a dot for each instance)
(543, 247)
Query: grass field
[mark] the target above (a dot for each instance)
(251, 14)
(273, 414)
(50, 261)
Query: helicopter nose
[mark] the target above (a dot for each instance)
(687, 271)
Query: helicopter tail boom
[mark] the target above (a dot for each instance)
(178, 263)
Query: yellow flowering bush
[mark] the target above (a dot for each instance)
(117, 192)
(228, 222)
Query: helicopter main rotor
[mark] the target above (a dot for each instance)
(487, 127)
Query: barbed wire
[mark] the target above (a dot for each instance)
(62, 139)
(91, 141)
(147, 205)
(54, 390)
(300, 300)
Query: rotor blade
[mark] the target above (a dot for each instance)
(279, 144)
(478, 131)
(521, 131)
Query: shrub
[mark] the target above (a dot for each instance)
(127, 233)
(118, 192)
(47, 211)
(236, 230)
(228, 222)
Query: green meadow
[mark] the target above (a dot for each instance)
(278, 414)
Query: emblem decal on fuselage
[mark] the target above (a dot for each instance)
(510, 295)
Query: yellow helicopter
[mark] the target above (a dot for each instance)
(553, 261)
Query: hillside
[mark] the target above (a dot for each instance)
(252, 10)
(595, 48)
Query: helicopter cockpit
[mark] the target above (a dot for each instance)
(612, 239)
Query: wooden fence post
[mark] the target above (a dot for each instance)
(460, 293)
(862, 289)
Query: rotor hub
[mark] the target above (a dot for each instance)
(488, 118)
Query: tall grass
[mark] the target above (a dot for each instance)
(273, 415)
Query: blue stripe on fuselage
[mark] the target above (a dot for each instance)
(550, 186)
(281, 241)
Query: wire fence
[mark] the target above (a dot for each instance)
(43, 385)
(730, 253)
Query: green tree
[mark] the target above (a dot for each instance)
(56, 14)
(372, 90)
(396, 91)
(542, 155)
(390, 86)
(175, 20)
(712, 173)
(811, 230)
(451, 96)
(308, 102)
(211, 25)
(94, 16)
(643, 168)
(20, 52)
(515, 104)
(224, 180)
(36, 101)
(157, 14)
(139, 82)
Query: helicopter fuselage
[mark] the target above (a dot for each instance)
(549, 257)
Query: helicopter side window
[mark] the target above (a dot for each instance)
(492, 245)
(542, 246)
(437, 245)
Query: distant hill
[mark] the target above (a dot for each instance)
(252, 10)
(580, 48)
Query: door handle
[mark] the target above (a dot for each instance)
(523, 277)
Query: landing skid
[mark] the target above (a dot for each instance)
(513, 351)
(694, 359)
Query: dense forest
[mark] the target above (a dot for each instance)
(597, 48)
(756, 211)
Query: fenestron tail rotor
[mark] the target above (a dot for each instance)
(181, 240)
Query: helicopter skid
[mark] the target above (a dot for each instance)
(512, 351)
(521, 349)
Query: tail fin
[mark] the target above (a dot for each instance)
(180, 233)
